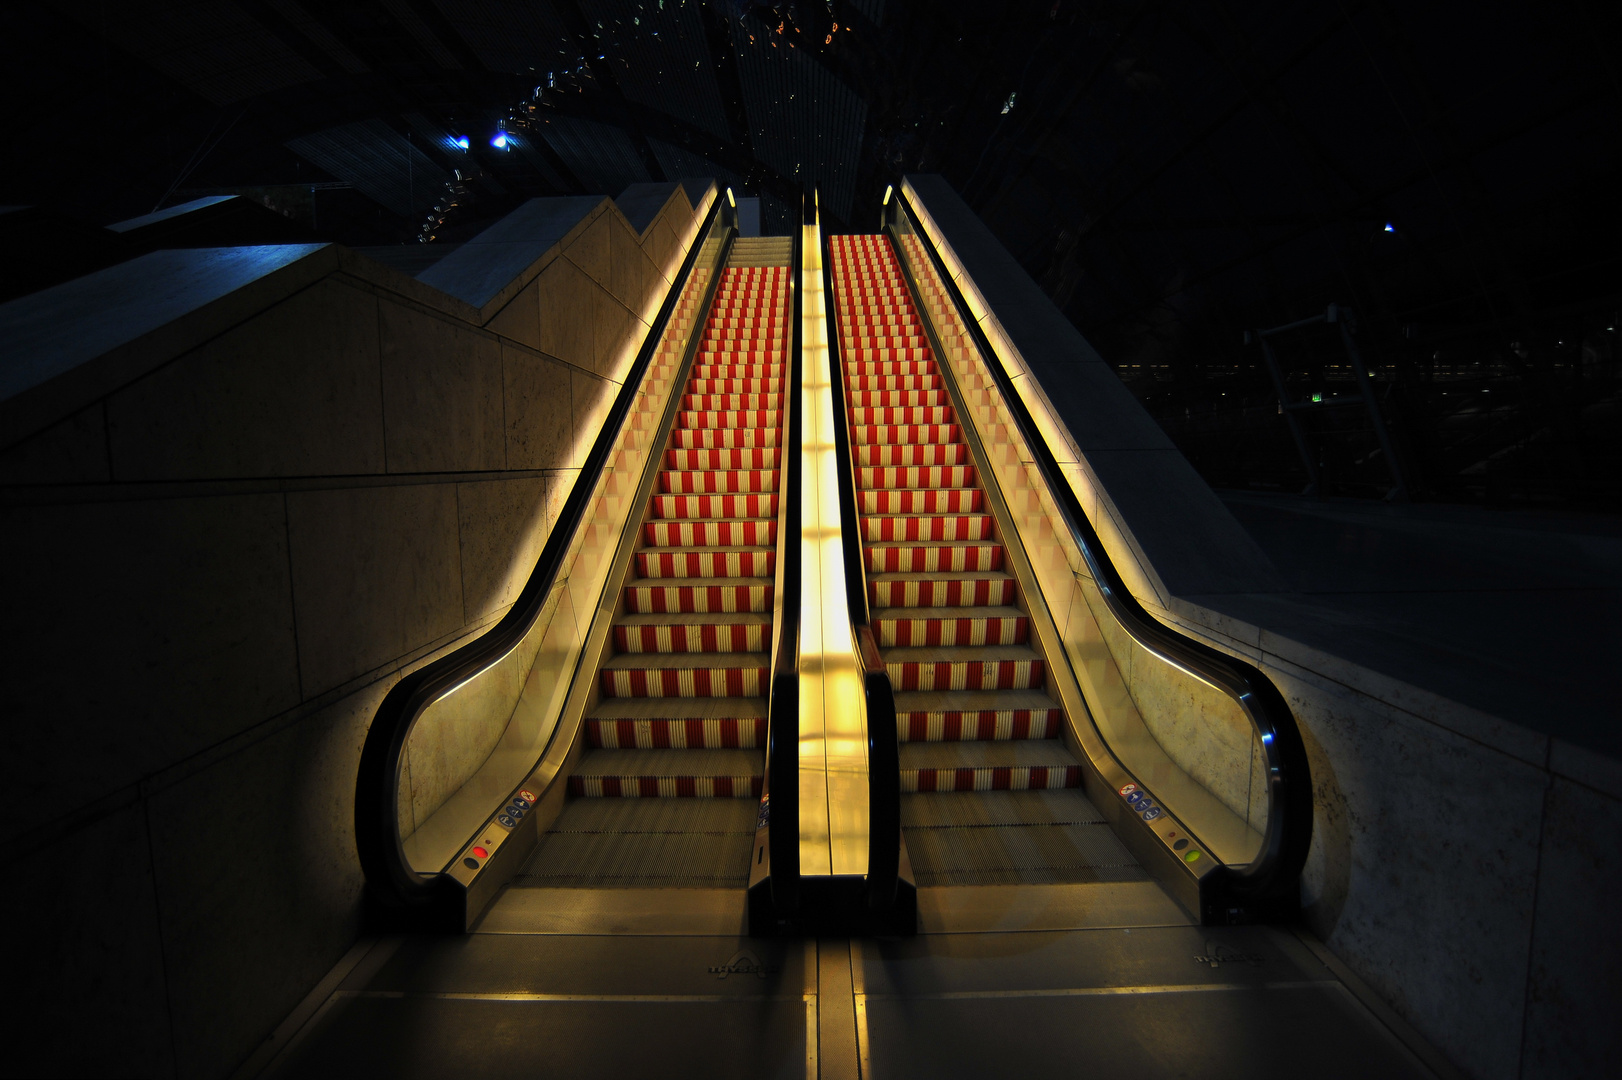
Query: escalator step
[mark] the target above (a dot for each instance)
(965, 589)
(690, 438)
(730, 733)
(718, 481)
(950, 626)
(682, 675)
(734, 533)
(929, 454)
(715, 506)
(733, 632)
(973, 669)
(884, 528)
(918, 477)
(720, 595)
(913, 558)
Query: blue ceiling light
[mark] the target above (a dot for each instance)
(1390, 227)
(499, 140)
(461, 141)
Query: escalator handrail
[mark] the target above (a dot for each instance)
(388, 873)
(783, 708)
(883, 741)
(1276, 869)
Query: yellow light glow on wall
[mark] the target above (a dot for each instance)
(833, 721)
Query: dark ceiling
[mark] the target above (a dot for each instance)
(1172, 172)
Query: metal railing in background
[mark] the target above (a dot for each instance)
(1269, 882)
(883, 743)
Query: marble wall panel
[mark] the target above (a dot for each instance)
(246, 937)
(539, 410)
(592, 400)
(591, 250)
(294, 391)
(1576, 976)
(1423, 870)
(504, 525)
(664, 248)
(84, 959)
(627, 275)
(149, 630)
(655, 287)
(442, 389)
(376, 574)
(568, 313)
(73, 451)
(520, 320)
(617, 335)
(1200, 728)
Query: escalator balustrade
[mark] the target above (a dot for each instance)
(665, 794)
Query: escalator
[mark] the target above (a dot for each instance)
(666, 794)
(733, 826)
(630, 689)
(990, 793)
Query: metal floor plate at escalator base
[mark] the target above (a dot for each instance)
(645, 843)
(1250, 1003)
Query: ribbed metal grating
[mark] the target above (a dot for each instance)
(413, 25)
(212, 47)
(804, 123)
(378, 162)
(677, 163)
(513, 35)
(873, 9)
(313, 29)
(602, 156)
(658, 55)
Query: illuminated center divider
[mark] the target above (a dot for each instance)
(833, 713)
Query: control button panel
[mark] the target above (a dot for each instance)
(1151, 812)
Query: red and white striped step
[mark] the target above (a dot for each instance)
(970, 690)
(681, 709)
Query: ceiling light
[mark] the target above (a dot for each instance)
(461, 141)
(1390, 227)
(499, 140)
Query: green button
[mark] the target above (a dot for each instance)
(1191, 856)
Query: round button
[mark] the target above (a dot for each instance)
(1180, 845)
(471, 864)
(1192, 856)
(480, 853)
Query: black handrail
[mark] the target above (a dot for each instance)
(390, 878)
(1274, 874)
(883, 741)
(783, 709)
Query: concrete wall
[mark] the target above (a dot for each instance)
(1463, 863)
(235, 510)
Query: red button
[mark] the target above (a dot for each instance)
(481, 853)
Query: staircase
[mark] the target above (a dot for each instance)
(973, 711)
(666, 794)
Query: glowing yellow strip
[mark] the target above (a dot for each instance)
(833, 721)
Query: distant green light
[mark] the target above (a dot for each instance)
(1317, 397)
